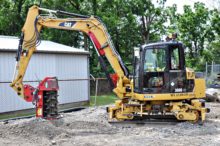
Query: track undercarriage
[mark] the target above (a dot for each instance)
(187, 110)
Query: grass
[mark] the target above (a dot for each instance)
(102, 100)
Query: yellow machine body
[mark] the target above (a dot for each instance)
(185, 106)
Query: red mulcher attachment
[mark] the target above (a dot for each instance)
(44, 97)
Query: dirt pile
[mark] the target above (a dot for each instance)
(90, 127)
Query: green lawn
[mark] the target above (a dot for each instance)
(102, 100)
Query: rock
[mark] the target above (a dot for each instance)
(5, 122)
(83, 128)
(212, 95)
(53, 142)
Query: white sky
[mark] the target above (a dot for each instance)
(181, 3)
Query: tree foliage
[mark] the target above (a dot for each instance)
(130, 24)
(196, 29)
(151, 18)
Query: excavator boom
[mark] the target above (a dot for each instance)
(91, 26)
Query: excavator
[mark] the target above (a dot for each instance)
(161, 84)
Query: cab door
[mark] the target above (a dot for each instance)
(177, 72)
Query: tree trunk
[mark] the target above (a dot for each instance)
(94, 6)
(145, 30)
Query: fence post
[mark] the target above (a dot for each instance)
(206, 70)
(96, 88)
(212, 68)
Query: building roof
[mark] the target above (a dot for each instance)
(10, 43)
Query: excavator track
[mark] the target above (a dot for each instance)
(152, 119)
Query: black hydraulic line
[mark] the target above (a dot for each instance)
(72, 14)
(104, 68)
(18, 54)
(35, 39)
(124, 68)
(38, 41)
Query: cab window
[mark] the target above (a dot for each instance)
(155, 60)
(175, 63)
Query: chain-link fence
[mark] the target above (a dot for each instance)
(99, 86)
(212, 72)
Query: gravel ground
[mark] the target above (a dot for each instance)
(89, 127)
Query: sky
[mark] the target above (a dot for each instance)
(181, 3)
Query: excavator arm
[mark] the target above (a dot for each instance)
(92, 26)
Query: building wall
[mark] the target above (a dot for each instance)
(64, 66)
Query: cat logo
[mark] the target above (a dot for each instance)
(67, 24)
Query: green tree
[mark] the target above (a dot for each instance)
(172, 19)
(195, 31)
(152, 18)
(195, 28)
(11, 16)
(215, 45)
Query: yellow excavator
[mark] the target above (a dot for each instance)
(161, 85)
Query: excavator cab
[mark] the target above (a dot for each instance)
(160, 68)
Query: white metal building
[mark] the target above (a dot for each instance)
(70, 65)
